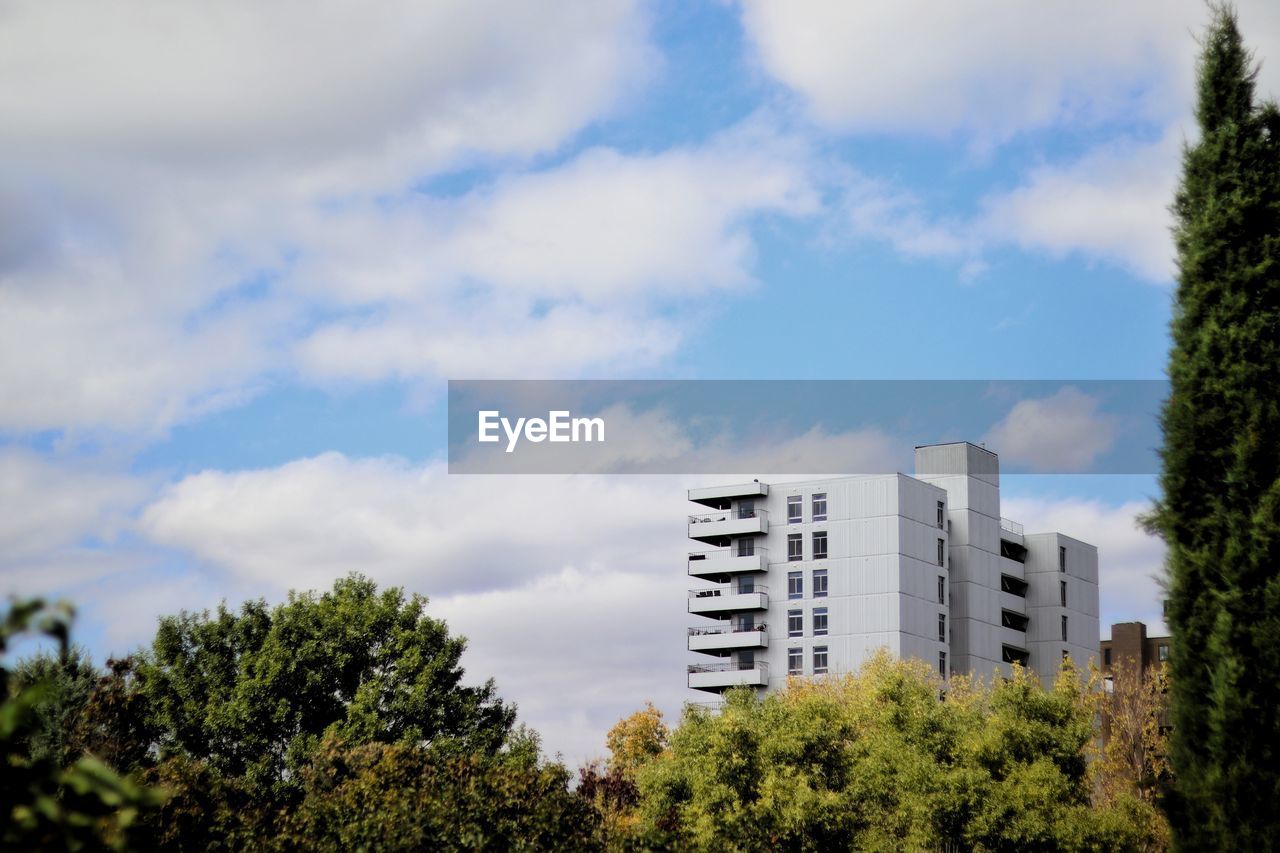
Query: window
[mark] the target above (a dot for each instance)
(1062, 558)
(1064, 629)
(746, 547)
(942, 589)
(794, 503)
(746, 509)
(1106, 657)
(1062, 592)
(795, 661)
(942, 664)
(819, 660)
(795, 623)
(820, 545)
(942, 627)
(820, 506)
(1162, 652)
(942, 553)
(942, 509)
(819, 621)
(795, 585)
(795, 546)
(1066, 655)
(819, 583)
(1164, 607)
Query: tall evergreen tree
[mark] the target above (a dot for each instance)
(1220, 508)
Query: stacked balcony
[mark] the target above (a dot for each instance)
(722, 601)
(722, 527)
(721, 564)
(722, 640)
(732, 529)
(718, 677)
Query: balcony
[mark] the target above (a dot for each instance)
(722, 639)
(718, 528)
(720, 564)
(724, 600)
(716, 677)
(722, 497)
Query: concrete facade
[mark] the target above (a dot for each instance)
(811, 578)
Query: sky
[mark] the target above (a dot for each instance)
(244, 245)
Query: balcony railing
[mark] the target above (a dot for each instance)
(733, 666)
(704, 630)
(1011, 526)
(727, 515)
(717, 591)
(726, 553)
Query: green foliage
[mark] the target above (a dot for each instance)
(50, 797)
(1220, 505)
(253, 694)
(878, 761)
(66, 684)
(408, 797)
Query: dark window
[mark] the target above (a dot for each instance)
(942, 628)
(1106, 657)
(795, 546)
(819, 583)
(942, 590)
(819, 621)
(941, 510)
(1065, 654)
(795, 623)
(1062, 558)
(820, 506)
(819, 660)
(942, 664)
(746, 547)
(1064, 629)
(1062, 590)
(795, 585)
(942, 554)
(746, 509)
(795, 661)
(820, 545)
(794, 504)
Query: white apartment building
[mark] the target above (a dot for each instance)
(810, 578)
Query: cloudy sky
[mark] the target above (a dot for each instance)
(244, 244)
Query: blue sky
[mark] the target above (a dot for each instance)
(239, 263)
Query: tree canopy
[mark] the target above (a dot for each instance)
(1220, 505)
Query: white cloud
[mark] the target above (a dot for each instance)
(50, 505)
(580, 649)
(994, 68)
(1111, 204)
(1130, 561)
(291, 81)
(1063, 433)
(314, 519)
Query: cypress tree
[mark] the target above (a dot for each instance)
(1220, 506)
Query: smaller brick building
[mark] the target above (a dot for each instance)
(1129, 642)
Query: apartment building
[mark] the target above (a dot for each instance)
(811, 578)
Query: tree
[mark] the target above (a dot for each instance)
(50, 797)
(1135, 714)
(66, 685)
(406, 796)
(636, 740)
(879, 761)
(253, 694)
(1220, 506)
